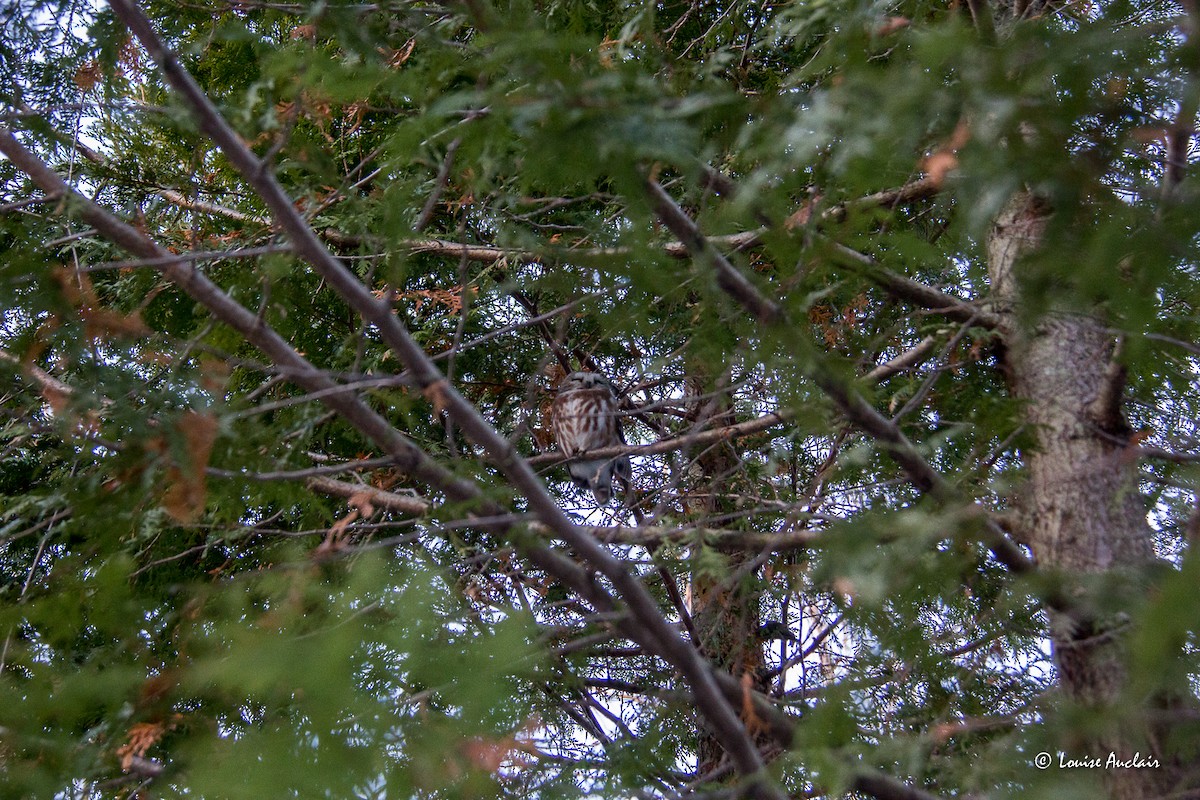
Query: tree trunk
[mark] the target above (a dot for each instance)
(1081, 511)
(727, 620)
(725, 607)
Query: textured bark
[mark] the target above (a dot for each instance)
(1081, 511)
(725, 608)
(727, 621)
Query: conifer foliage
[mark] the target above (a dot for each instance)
(899, 306)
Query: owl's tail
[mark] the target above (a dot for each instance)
(598, 476)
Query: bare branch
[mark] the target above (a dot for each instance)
(885, 787)
(897, 285)
(46, 381)
(981, 15)
(920, 189)
(728, 278)
(1161, 454)
(379, 497)
(909, 358)
(698, 439)
(181, 200)
(650, 537)
(439, 186)
(302, 474)
(193, 255)
(916, 292)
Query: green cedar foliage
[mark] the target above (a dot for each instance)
(175, 625)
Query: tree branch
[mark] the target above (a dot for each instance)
(699, 439)
(650, 536)
(379, 497)
(731, 281)
(847, 399)
(885, 787)
(901, 287)
(181, 200)
(651, 628)
(47, 382)
(903, 361)
(915, 292)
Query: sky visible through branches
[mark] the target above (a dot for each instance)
(898, 300)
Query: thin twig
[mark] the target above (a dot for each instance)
(439, 186)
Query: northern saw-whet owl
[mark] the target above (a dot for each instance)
(585, 417)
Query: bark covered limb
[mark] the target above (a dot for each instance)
(1081, 510)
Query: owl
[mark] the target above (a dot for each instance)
(585, 418)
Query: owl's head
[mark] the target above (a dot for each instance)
(584, 380)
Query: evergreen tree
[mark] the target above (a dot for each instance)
(898, 301)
